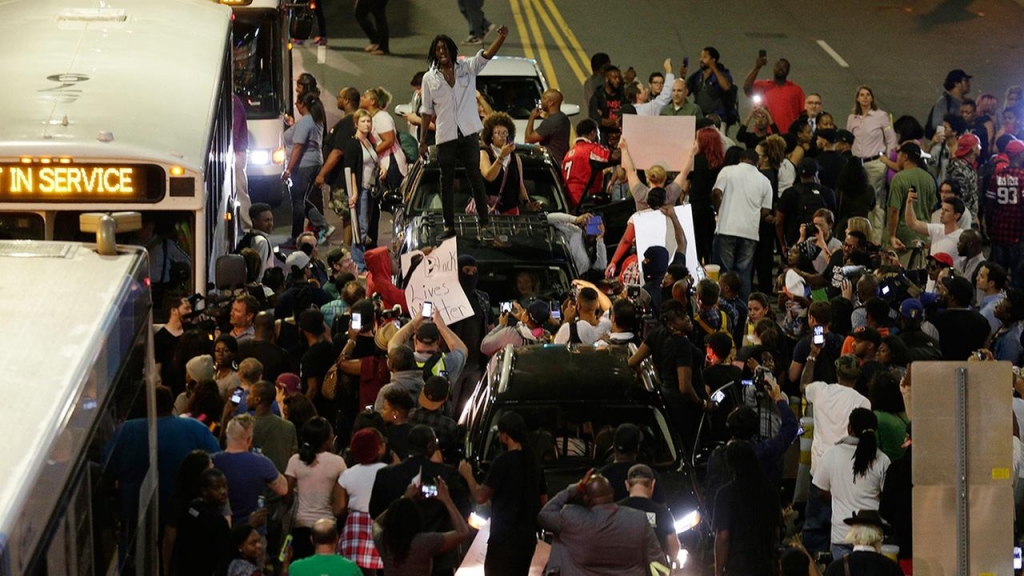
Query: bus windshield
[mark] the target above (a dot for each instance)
(258, 68)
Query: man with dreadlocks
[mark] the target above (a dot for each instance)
(449, 100)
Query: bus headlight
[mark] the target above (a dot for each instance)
(279, 155)
(688, 522)
(259, 157)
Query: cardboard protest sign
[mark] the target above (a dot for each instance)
(659, 140)
(436, 280)
(652, 228)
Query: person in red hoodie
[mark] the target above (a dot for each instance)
(378, 279)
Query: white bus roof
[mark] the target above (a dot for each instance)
(153, 70)
(52, 330)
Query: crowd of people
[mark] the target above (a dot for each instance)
(309, 427)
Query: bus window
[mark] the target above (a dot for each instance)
(257, 56)
(22, 226)
(169, 237)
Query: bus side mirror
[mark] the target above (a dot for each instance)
(231, 272)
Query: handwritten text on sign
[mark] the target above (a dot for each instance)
(436, 280)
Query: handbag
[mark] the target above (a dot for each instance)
(329, 389)
(492, 201)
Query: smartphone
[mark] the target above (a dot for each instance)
(428, 490)
(575, 292)
(556, 312)
(428, 309)
(940, 130)
(1017, 561)
(369, 407)
(236, 396)
(442, 373)
(885, 290)
(539, 104)
(718, 396)
(979, 354)
(357, 321)
(819, 336)
(762, 53)
(747, 382)
(686, 61)
(505, 307)
(284, 548)
(757, 98)
(594, 225)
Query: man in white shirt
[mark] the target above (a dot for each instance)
(648, 104)
(449, 101)
(943, 236)
(584, 315)
(833, 404)
(742, 197)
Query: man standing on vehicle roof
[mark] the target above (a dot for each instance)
(449, 101)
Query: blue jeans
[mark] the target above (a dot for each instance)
(817, 530)
(302, 186)
(1011, 257)
(840, 550)
(735, 253)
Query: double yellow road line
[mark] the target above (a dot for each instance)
(526, 14)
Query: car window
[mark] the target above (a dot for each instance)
(581, 434)
(513, 95)
(522, 283)
(539, 179)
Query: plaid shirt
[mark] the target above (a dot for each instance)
(356, 542)
(1004, 205)
(444, 426)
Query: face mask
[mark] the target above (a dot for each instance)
(468, 281)
(422, 357)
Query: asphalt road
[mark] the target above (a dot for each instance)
(902, 49)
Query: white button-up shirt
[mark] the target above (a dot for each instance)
(454, 107)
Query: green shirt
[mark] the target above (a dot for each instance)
(687, 109)
(892, 431)
(923, 182)
(324, 565)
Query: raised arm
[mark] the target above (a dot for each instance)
(748, 82)
(492, 50)
(912, 222)
(627, 165)
(450, 338)
(682, 179)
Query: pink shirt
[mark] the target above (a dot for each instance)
(872, 133)
(785, 102)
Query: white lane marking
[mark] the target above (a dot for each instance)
(835, 55)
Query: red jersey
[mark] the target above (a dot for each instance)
(1004, 205)
(785, 102)
(578, 171)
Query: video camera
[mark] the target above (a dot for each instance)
(215, 311)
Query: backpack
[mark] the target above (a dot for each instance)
(410, 146)
(244, 242)
(808, 201)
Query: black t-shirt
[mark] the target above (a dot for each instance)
(273, 358)
(316, 362)
(668, 352)
(164, 344)
(398, 438)
(616, 473)
(337, 139)
(751, 544)
(658, 515)
(714, 378)
(554, 132)
(961, 332)
(830, 165)
(202, 542)
(702, 181)
(516, 499)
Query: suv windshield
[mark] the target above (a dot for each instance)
(539, 179)
(580, 434)
(513, 95)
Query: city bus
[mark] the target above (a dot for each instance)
(120, 107)
(77, 359)
(262, 79)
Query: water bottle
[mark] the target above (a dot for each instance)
(261, 502)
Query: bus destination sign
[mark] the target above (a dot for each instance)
(20, 182)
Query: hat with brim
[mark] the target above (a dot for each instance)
(866, 518)
(384, 335)
(434, 393)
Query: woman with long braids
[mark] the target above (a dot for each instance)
(852, 487)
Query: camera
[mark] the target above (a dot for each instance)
(761, 375)
(505, 307)
(236, 396)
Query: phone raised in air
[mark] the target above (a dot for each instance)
(428, 309)
(556, 312)
(594, 225)
(762, 53)
(819, 336)
(356, 323)
(505, 307)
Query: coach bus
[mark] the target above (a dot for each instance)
(262, 79)
(75, 358)
(120, 106)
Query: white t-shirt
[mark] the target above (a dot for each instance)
(965, 219)
(832, 406)
(315, 485)
(745, 191)
(587, 331)
(942, 242)
(382, 123)
(670, 231)
(358, 483)
(835, 474)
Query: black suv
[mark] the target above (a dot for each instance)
(572, 399)
(525, 243)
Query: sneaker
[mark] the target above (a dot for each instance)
(330, 230)
(297, 42)
(473, 39)
(321, 236)
(446, 234)
(370, 48)
(321, 41)
(486, 234)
